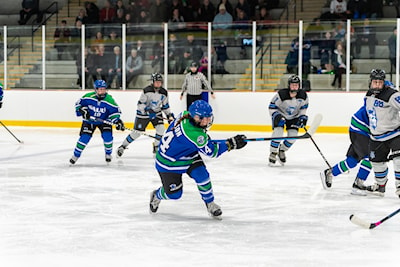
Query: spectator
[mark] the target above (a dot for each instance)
(115, 68)
(120, 5)
(142, 20)
(107, 13)
(242, 22)
(204, 64)
(365, 34)
(158, 11)
(228, 7)
(357, 9)
(174, 53)
(120, 17)
(263, 19)
(89, 64)
(223, 19)
(242, 5)
(375, 9)
(194, 47)
(222, 57)
(29, 8)
(134, 67)
(315, 30)
(82, 17)
(206, 12)
(112, 41)
(325, 51)
(141, 50)
(392, 43)
(177, 21)
(338, 9)
(101, 63)
(339, 64)
(158, 61)
(292, 59)
(62, 38)
(93, 13)
(184, 62)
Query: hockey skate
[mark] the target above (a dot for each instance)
(120, 150)
(272, 158)
(281, 156)
(326, 178)
(398, 190)
(155, 148)
(108, 158)
(214, 210)
(358, 188)
(377, 189)
(154, 202)
(73, 160)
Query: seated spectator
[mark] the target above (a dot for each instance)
(101, 63)
(228, 7)
(82, 17)
(223, 20)
(375, 9)
(134, 67)
(115, 68)
(357, 9)
(315, 30)
(158, 11)
(184, 62)
(62, 36)
(204, 64)
(194, 46)
(206, 11)
(242, 22)
(338, 9)
(241, 6)
(93, 13)
(107, 13)
(112, 41)
(29, 8)
(177, 21)
(365, 35)
(158, 57)
(174, 53)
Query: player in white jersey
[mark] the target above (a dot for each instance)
(287, 108)
(383, 106)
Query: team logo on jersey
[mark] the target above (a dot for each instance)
(201, 140)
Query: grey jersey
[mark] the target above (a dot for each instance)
(155, 99)
(194, 83)
(383, 112)
(288, 107)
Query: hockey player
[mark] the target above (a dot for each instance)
(179, 153)
(1, 95)
(382, 104)
(287, 108)
(152, 102)
(357, 153)
(96, 107)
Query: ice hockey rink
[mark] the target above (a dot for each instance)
(96, 214)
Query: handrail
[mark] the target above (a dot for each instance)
(18, 37)
(46, 19)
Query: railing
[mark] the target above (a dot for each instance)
(48, 10)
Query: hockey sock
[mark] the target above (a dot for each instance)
(364, 170)
(202, 178)
(108, 142)
(81, 144)
(344, 166)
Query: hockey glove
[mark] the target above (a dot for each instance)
(302, 121)
(85, 113)
(119, 125)
(152, 114)
(171, 117)
(1, 104)
(236, 142)
(278, 120)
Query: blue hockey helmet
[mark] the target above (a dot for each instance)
(100, 84)
(200, 108)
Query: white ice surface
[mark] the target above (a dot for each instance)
(94, 214)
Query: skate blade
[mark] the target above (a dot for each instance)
(358, 192)
(324, 185)
(379, 194)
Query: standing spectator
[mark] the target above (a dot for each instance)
(158, 57)
(115, 68)
(134, 67)
(174, 53)
(193, 85)
(339, 64)
(325, 51)
(29, 8)
(62, 38)
(158, 11)
(223, 20)
(204, 64)
(366, 34)
(383, 107)
(101, 64)
(88, 67)
(194, 46)
(96, 107)
(183, 62)
(392, 43)
(153, 102)
(93, 13)
(287, 108)
(141, 50)
(206, 11)
(222, 57)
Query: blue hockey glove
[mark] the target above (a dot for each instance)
(236, 142)
(152, 114)
(84, 112)
(302, 121)
(119, 125)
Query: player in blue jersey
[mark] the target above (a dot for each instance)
(357, 153)
(96, 107)
(1, 95)
(179, 152)
(153, 102)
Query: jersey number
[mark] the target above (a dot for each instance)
(166, 139)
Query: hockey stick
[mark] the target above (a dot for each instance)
(313, 128)
(133, 130)
(319, 150)
(19, 141)
(356, 220)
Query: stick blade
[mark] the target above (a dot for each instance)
(315, 124)
(358, 221)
